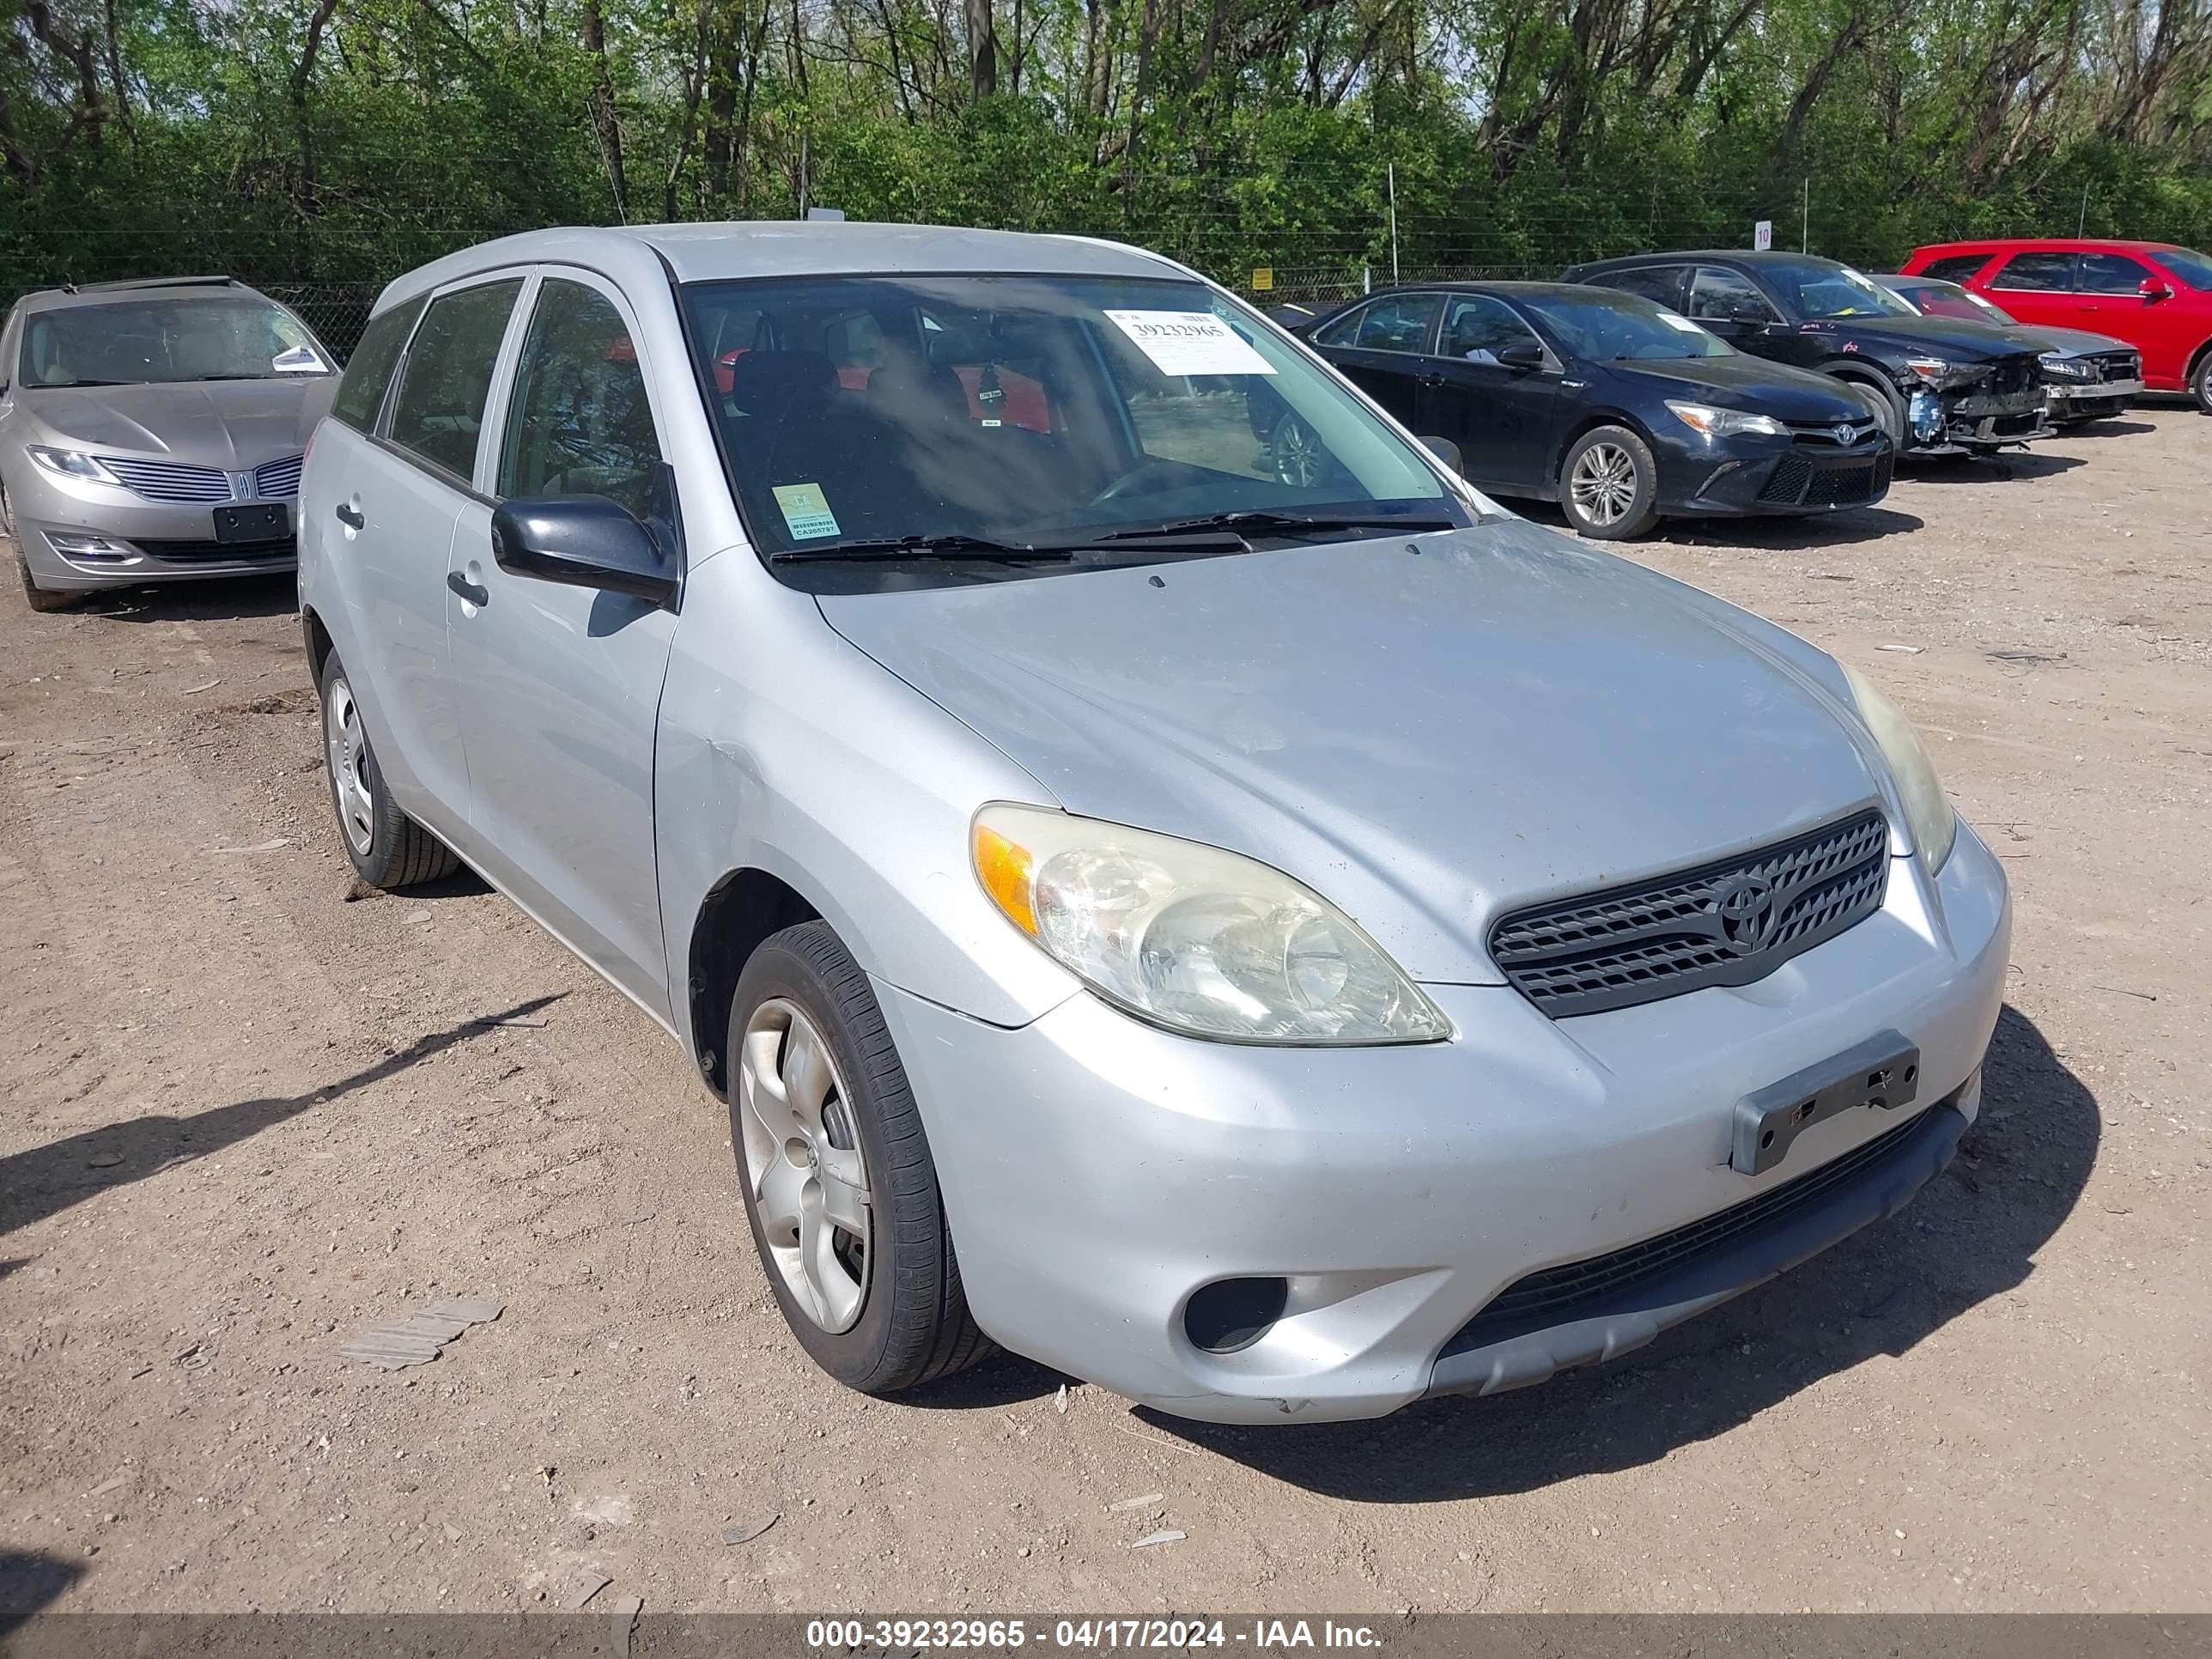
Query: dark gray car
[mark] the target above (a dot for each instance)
(151, 431)
(2087, 377)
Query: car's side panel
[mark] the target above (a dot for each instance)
(772, 726)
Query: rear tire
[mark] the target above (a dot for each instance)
(836, 1172)
(1609, 484)
(2200, 381)
(387, 848)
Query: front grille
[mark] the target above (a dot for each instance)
(170, 481)
(278, 480)
(1668, 935)
(2012, 376)
(219, 552)
(1849, 486)
(1555, 1296)
(2117, 366)
(1826, 435)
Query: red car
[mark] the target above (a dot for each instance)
(2157, 297)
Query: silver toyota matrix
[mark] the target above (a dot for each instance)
(1276, 950)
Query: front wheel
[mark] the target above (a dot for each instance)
(1883, 404)
(388, 848)
(1609, 484)
(838, 1183)
(1298, 456)
(2200, 381)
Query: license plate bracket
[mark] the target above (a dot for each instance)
(259, 523)
(1881, 1074)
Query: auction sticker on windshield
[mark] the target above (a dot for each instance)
(806, 511)
(1190, 342)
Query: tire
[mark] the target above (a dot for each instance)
(1296, 455)
(1882, 403)
(1619, 481)
(387, 848)
(39, 598)
(882, 1309)
(2200, 381)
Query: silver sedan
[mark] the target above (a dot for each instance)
(1277, 949)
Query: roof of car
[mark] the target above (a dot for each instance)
(95, 294)
(2054, 243)
(1736, 256)
(707, 253)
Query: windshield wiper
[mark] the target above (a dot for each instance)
(1263, 523)
(886, 548)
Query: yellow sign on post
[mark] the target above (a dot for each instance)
(1263, 278)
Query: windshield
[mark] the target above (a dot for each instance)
(1822, 293)
(1949, 300)
(2193, 269)
(1029, 412)
(146, 341)
(1610, 326)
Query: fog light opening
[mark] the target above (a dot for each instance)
(1232, 1314)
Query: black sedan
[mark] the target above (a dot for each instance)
(1939, 386)
(2087, 377)
(1613, 406)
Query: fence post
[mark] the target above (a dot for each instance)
(1392, 167)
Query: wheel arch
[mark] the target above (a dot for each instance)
(2196, 359)
(319, 643)
(740, 911)
(1587, 423)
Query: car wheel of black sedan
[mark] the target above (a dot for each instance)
(1298, 457)
(1882, 403)
(1609, 484)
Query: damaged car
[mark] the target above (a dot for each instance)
(1938, 386)
(2086, 377)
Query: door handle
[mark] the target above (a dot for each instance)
(1431, 379)
(468, 590)
(351, 517)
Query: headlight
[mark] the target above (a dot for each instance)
(1726, 423)
(1201, 941)
(1936, 371)
(70, 463)
(2066, 368)
(1927, 814)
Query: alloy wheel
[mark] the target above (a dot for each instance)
(804, 1165)
(1603, 484)
(1297, 457)
(348, 747)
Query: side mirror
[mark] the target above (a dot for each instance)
(582, 541)
(1447, 452)
(2154, 290)
(1523, 354)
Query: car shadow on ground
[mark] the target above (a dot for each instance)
(30, 1581)
(1810, 531)
(1971, 1235)
(47, 1180)
(227, 599)
(2112, 427)
(2012, 464)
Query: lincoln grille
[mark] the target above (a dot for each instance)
(1557, 1295)
(275, 480)
(169, 481)
(1727, 923)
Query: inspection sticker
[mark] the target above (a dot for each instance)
(806, 512)
(1190, 342)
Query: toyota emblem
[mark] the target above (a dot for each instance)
(1745, 908)
(1844, 434)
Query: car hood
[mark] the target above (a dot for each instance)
(1950, 338)
(1425, 739)
(1748, 383)
(233, 425)
(2071, 342)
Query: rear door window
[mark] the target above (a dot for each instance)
(438, 411)
(2111, 273)
(2039, 273)
(1953, 267)
(1721, 295)
(1663, 284)
(360, 393)
(1480, 329)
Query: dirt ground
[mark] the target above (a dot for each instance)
(240, 1116)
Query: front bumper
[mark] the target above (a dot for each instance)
(146, 541)
(1778, 476)
(1972, 420)
(1097, 1172)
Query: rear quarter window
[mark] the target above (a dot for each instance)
(360, 393)
(1953, 267)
